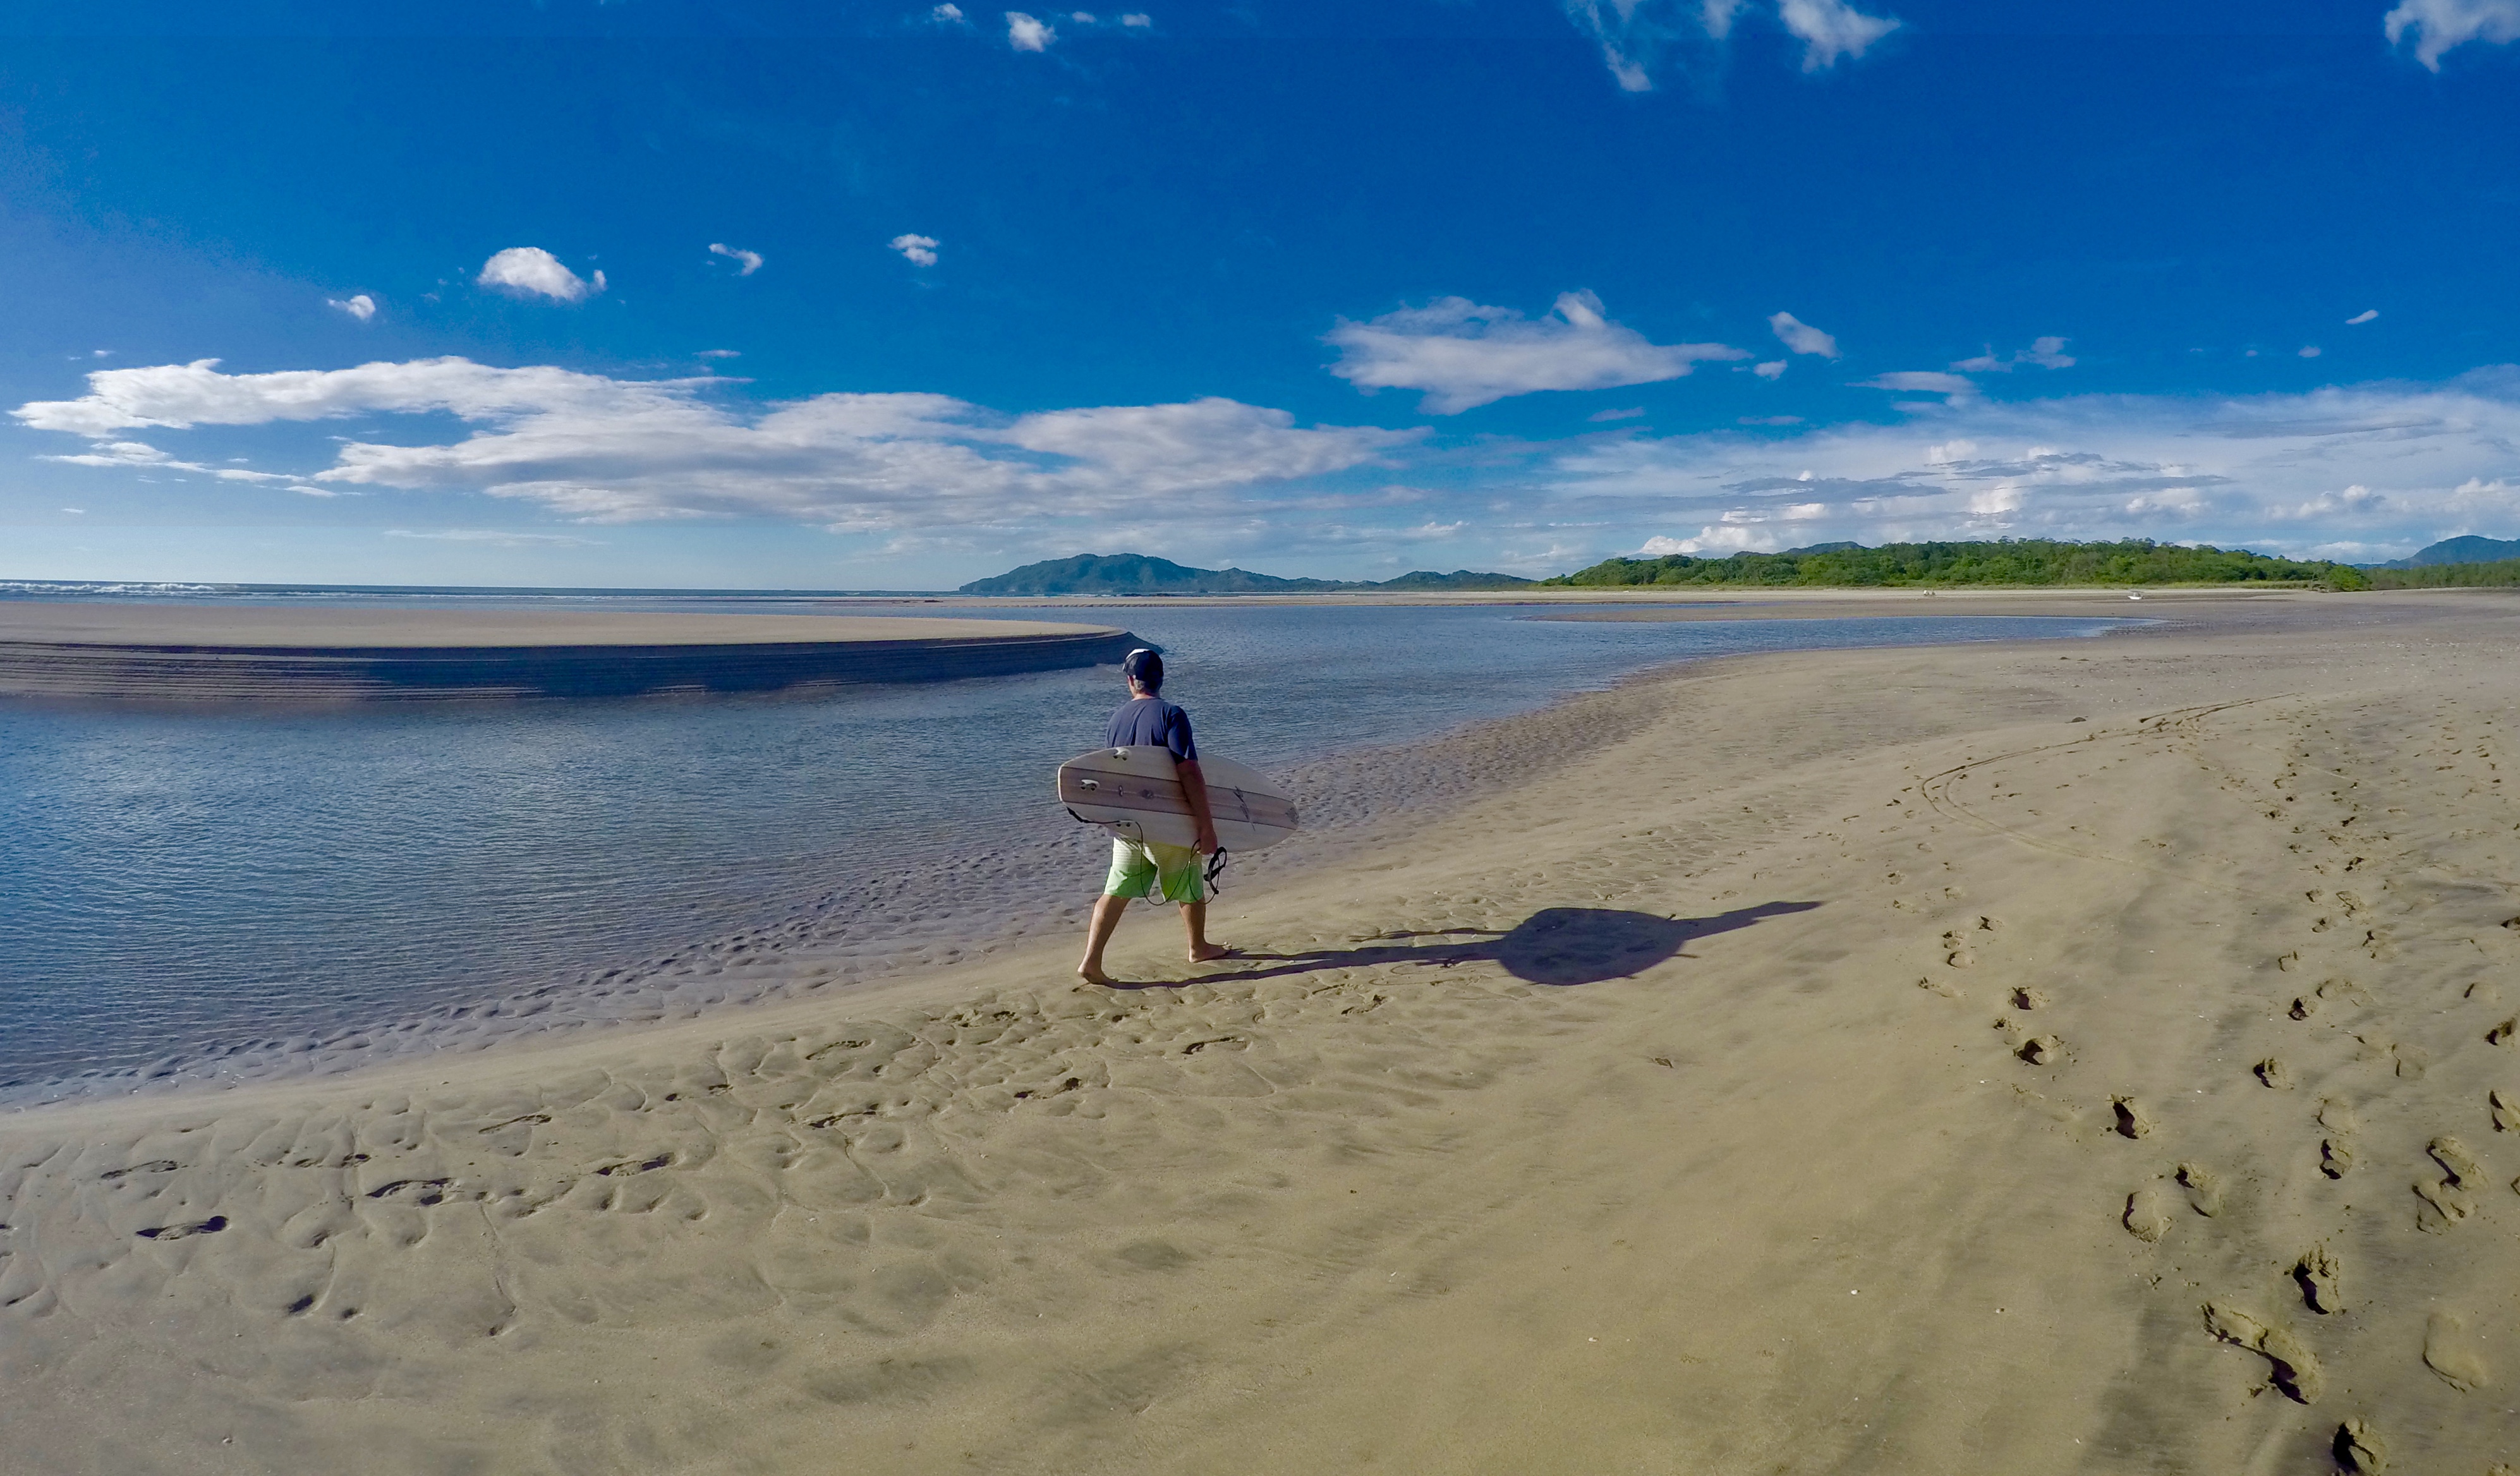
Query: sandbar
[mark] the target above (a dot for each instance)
(189, 654)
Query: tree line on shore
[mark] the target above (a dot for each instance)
(2021, 562)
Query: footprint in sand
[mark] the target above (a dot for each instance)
(2344, 989)
(2454, 1198)
(2503, 1034)
(2318, 1273)
(2305, 1007)
(2042, 1050)
(2506, 1110)
(2204, 1188)
(2027, 998)
(2274, 1073)
(2132, 1120)
(2358, 1448)
(2334, 1157)
(2144, 1217)
(210, 1227)
(2450, 1352)
(2296, 1370)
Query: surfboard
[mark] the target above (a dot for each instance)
(1135, 794)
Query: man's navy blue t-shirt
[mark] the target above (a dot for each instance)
(1150, 721)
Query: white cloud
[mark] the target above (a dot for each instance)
(1774, 369)
(919, 250)
(721, 353)
(615, 450)
(362, 307)
(2309, 351)
(2439, 26)
(1831, 28)
(111, 453)
(747, 262)
(2384, 468)
(1466, 355)
(1641, 38)
(1024, 33)
(531, 271)
(2362, 317)
(1082, 16)
(948, 14)
(1922, 382)
(1137, 19)
(2046, 353)
(1599, 416)
(75, 511)
(1801, 336)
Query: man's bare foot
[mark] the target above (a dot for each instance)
(1205, 952)
(1092, 975)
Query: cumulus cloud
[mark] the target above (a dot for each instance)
(948, 14)
(1830, 29)
(2367, 471)
(1802, 338)
(919, 250)
(618, 450)
(2362, 317)
(2440, 25)
(1137, 19)
(2046, 353)
(532, 272)
(1024, 33)
(1774, 369)
(745, 262)
(362, 307)
(1466, 355)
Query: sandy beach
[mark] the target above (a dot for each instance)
(2088, 1055)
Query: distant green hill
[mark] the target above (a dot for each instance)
(2468, 549)
(1141, 574)
(2009, 561)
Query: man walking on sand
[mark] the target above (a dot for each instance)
(1144, 868)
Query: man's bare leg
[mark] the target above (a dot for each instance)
(1194, 918)
(1107, 917)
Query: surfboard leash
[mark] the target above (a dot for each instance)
(1215, 868)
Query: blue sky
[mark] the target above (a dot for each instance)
(856, 295)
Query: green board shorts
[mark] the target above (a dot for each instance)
(1148, 868)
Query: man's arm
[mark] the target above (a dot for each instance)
(1195, 787)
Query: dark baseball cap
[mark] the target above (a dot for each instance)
(1144, 667)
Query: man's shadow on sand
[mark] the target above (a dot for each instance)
(1558, 946)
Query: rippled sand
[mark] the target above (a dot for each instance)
(1817, 1062)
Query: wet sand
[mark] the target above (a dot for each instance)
(94, 651)
(1828, 1061)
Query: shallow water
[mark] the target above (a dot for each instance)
(183, 892)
